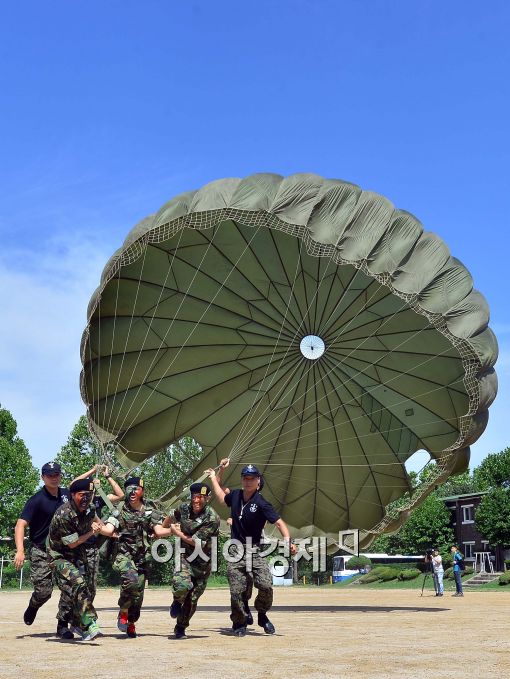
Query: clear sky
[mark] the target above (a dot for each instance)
(110, 108)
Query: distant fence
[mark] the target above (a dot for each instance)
(10, 577)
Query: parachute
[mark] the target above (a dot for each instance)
(300, 324)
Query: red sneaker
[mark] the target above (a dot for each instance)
(131, 630)
(122, 621)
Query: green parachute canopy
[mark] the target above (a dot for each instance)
(300, 324)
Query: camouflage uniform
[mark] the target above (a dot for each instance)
(42, 578)
(92, 565)
(241, 583)
(70, 566)
(190, 581)
(130, 553)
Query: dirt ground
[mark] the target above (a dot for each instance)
(322, 632)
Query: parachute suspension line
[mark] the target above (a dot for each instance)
(442, 467)
(154, 359)
(163, 287)
(260, 416)
(389, 318)
(184, 492)
(286, 380)
(111, 349)
(192, 331)
(247, 418)
(278, 399)
(260, 444)
(109, 424)
(260, 447)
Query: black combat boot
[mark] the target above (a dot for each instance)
(264, 622)
(29, 615)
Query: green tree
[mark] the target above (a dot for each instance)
(427, 526)
(80, 453)
(19, 477)
(460, 484)
(165, 470)
(494, 470)
(493, 516)
(160, 473)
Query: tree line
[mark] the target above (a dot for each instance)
(428, 524)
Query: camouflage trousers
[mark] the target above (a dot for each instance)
(132, 585)
(241, 582)
(73, 581)
(92, 566)
(41, 575)
(188, 585)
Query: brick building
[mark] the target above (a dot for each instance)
(469, 540)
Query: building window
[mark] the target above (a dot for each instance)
(469, 550)
(467, 514)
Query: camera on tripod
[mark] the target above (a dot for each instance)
(428, 560)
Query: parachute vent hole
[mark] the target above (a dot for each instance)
(312, 347)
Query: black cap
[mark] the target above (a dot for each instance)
(199, 489)
(250, 470)
(133, 481)
(81, 484)
(51, 468)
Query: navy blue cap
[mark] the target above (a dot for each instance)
(51, 468)
(250, 470)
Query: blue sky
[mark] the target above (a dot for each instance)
(111, 108)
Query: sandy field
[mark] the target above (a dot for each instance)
(323, 632)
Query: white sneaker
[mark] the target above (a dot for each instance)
(92, 632)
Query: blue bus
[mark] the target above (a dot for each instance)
(341, 570)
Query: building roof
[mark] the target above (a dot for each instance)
(466, 495)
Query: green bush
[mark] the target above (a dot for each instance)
(507, 564)
(369, 577)
(448, 574)
(504, 579)
(389, 574)
(409, 574)
(372, 576)
(357, 562)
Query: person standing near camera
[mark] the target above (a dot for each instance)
(438, 571)
(458, 567)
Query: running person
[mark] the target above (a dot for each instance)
(199, 523)
(37, 514)
(71, 526)
(137, 521)
(249, 512)
(93, 543)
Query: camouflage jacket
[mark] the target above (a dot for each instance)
(66, 526)
(202, 528)
(134, 530)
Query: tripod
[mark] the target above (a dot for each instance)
(428, 571)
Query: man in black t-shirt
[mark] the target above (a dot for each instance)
(249, 511)
(37, 514)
